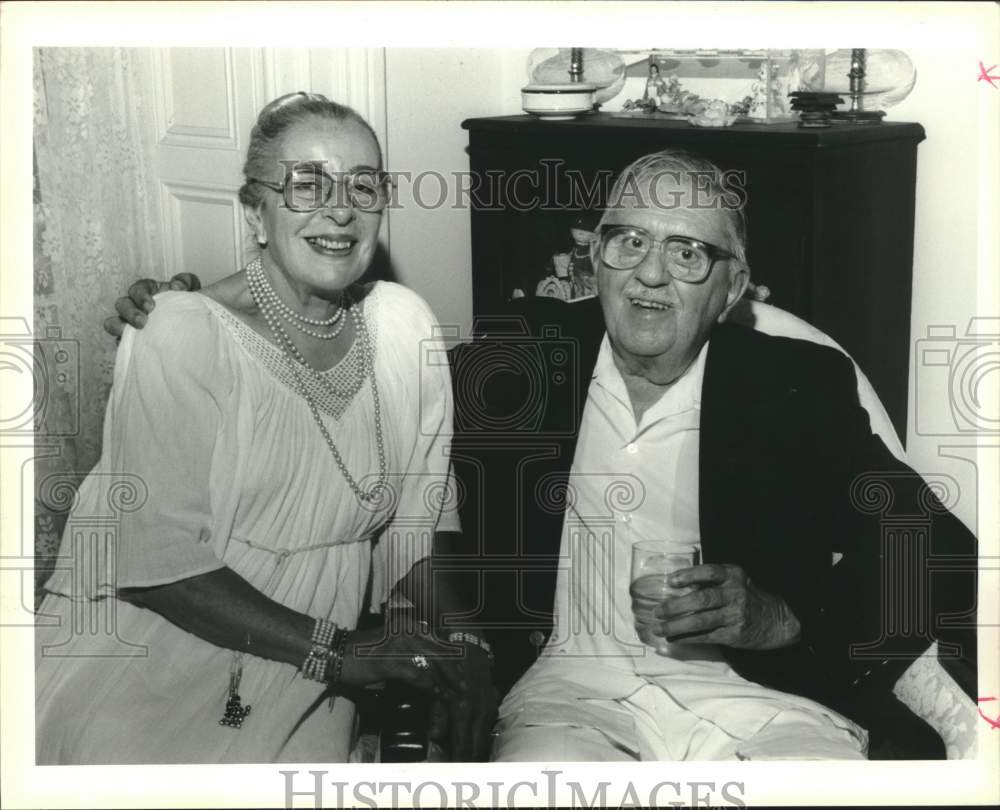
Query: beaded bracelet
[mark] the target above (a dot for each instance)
(459, 637)
(316, 663)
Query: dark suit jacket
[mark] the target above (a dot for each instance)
(789, 473)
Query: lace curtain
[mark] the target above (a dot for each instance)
(96, 231)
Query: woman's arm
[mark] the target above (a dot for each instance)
(224, 609)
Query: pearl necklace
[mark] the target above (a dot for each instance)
(260, 288)
(300, 364)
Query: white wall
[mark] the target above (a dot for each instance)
(948, 263)
(431, 92)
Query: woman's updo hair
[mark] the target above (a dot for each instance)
(272, 123)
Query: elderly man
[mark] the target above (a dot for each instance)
(669, 423)
(662, 421)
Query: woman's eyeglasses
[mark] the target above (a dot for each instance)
(310, 189)
(624, 247)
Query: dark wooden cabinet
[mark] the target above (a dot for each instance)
(830, 215)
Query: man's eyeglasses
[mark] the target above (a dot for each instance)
(624, 247)
(309, 189)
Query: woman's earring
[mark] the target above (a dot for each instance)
(261, 242)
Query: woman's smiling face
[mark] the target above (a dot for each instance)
(325, 251)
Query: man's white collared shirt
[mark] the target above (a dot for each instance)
(628, 482)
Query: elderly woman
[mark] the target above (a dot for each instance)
(289, 454)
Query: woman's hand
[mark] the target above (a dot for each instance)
(387, 653)
(133, 308)
(458, 678)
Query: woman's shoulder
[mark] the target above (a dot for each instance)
(174, 307)
(182, 324)
(407, 334)
(397, 305)
(180, 353)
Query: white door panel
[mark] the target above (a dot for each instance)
(209, 232)
(205, 101)
(198, 99)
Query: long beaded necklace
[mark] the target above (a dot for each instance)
(263, 295)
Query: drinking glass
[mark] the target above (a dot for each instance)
(652, 562)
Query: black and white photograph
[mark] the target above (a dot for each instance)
(481, 404)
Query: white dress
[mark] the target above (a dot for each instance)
(211, 459)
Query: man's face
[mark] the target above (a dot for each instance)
(656, 324)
